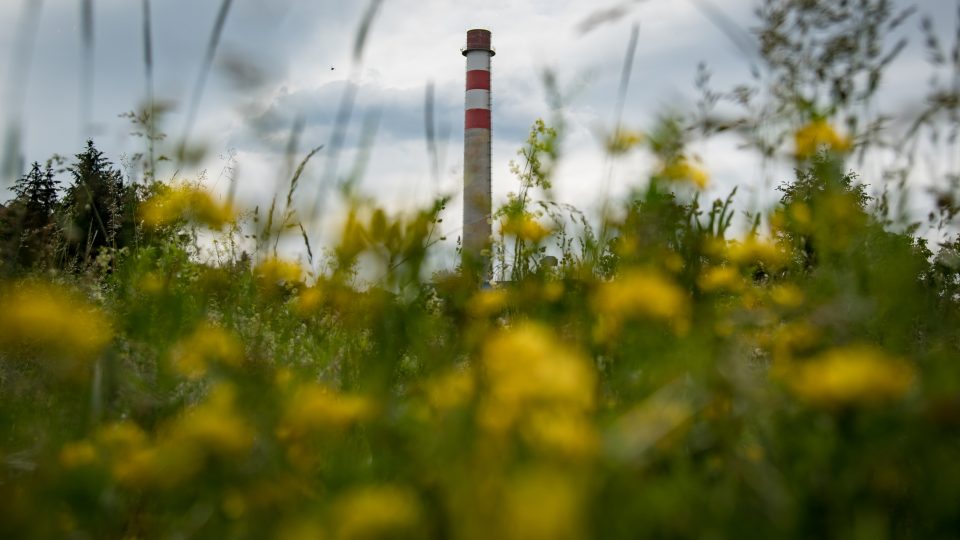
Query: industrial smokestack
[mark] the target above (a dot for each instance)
(476, 153)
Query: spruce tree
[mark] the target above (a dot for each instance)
(28, 227)
(94, 207)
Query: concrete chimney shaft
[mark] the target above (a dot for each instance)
(476, 151)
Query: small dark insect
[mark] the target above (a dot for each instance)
(331, 69)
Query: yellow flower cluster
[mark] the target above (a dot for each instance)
(754, 250)
(817, 134)
(213, 428)
(622, 140)
(488, 302)
(208, 343)
(274, 270)
(314, 408)
(52, 320)
(851, 375)
(370, 512)
(641, 293)
(721, 278)
(680, 169)
(449, 390)
(186, 202)
(541, 387)
(544, 504)
(524, 228)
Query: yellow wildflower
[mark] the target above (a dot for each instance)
(819, 133)
(787, 295)
(273, 270)
(717, 278)
(643, 293)
(309, 301)
(681, 169)
(525, 228)
(214, 426)
(189, 202)
(754, 250)
(527, 365)
(622, 140)
(791, 339)
(449, 390)
(78, 454)
(488, 302)
(207, 343)
(376, 512)
(52, 320)
(165, 466)
(315, 408)
(851, 375)
(543, 504)
(562, 432)
(121, 437)
(801, 215)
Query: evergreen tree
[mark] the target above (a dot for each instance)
(28, 227)
(37, 193)
(97, 207)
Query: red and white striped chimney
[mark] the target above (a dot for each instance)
(476, 152)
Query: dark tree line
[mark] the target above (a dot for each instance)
(42, 228)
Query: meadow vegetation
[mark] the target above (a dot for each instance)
(652, 373)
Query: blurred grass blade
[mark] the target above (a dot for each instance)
(363, 31)
(148, 79)
(345, 110)
(430, 128)
(625, 75)
(201, 83)
(17, 78)
(86, 67)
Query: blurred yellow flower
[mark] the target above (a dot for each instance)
(819, 133)
(52, 320)
(681, 169)
(188, 202)
(643, 293)
(787, 295)
(309, 301)
(525, 228)
(77, 454)
(488, 302)
(561, 432)
(121, 437)
(373, 512)
(208, 343)
(622, 140)
(313, 407)
(273, 270)
(851, 375)
(789, 340)
(449, 390)
(527, 365)
(214, 425)
(721, 278)
(543, 504)
(754, 250)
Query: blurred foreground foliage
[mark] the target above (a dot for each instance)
(657, 376)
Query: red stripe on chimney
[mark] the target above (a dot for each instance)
(478, 79)
(477, 118)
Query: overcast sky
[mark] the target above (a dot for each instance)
(283, 60)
